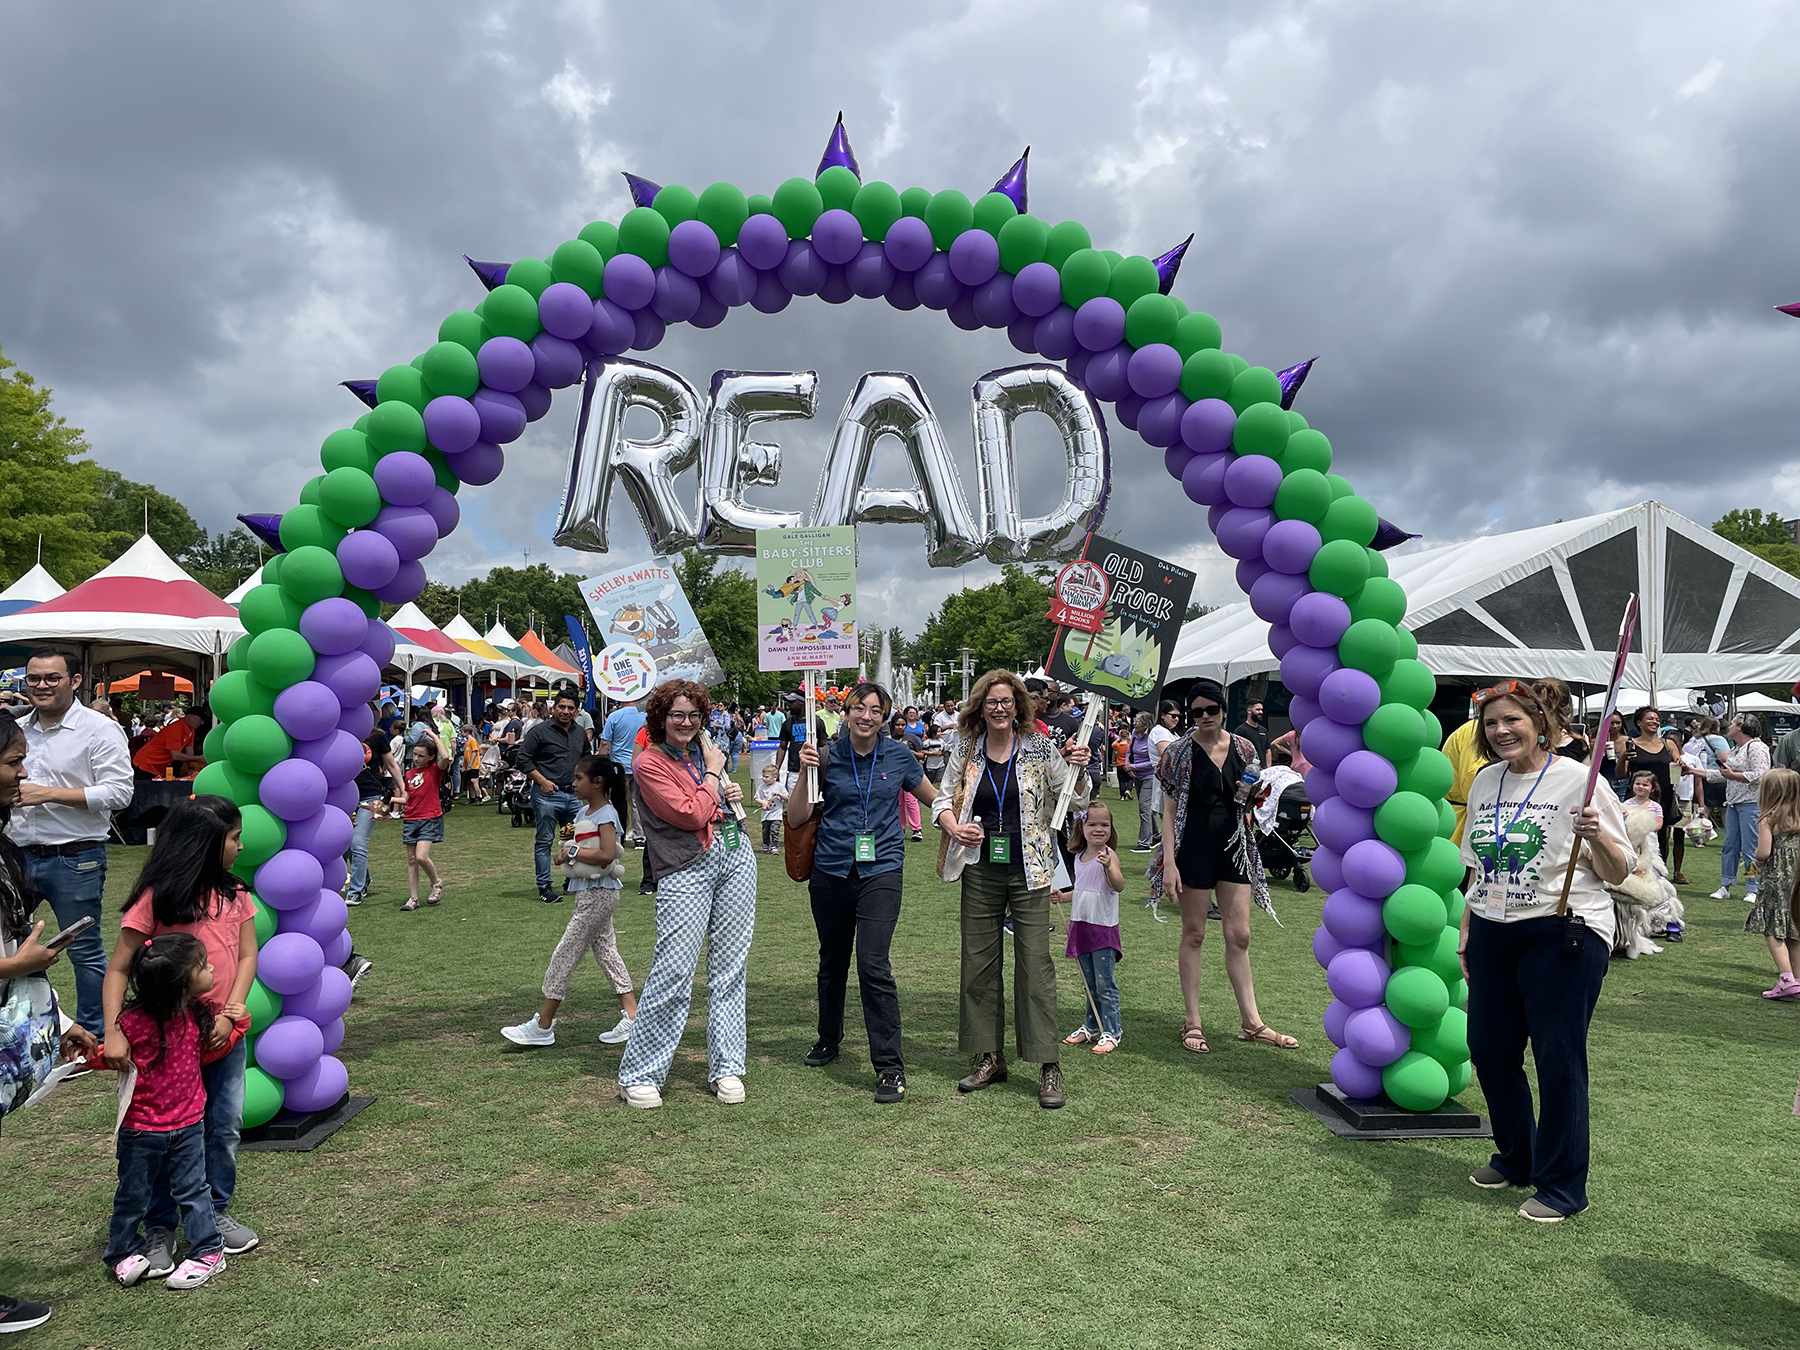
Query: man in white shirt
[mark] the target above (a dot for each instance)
(79, 774)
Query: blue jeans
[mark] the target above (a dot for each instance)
(223, 1080)
(1740, 841)
(1097, 970)
(73, 886)
(549, 810)
(175, 1159)
(359, 846)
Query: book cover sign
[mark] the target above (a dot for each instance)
(1127, 658)
(644, 608)
(806, 598)
(625, 672)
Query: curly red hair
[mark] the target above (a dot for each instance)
(662, 698)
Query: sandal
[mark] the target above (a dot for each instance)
(1079, 1036)
(1106, 1045)
(437, 893)
(1785, 987)
(1263, 1034)
(1192, 1038)
(412, 902)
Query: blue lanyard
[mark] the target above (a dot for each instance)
(697, 775)
(1005, 782)
(1500, 791)
(874, 763)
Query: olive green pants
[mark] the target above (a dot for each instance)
(987, 889)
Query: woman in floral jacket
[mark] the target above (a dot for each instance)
(994, 806)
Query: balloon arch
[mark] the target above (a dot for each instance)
(292, 709)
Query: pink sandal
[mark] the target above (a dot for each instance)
(1785, 987)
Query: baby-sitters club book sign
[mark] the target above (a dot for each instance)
(806, 598)
(1123, 651)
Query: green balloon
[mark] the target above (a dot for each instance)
(464, 326)
(1181, 306)
(256, 744)
(837, 188)
(441, 470)
(402, 384)
(1338, 567)
(1205, 374)
(1351, 518)
(1434, 729)
(1085, 274)
(761, 204)
(370, 604)
(1410, 681)
(1255, 384)
(1438, 866)
(262, 1098)
(264, 835)
(1303, 495)
(797, 205)
(1409, 651)
(575, 261)
(265, 607)
(1461, 1075)
(450, 367)
(1133, 278)
(1407, 821)
(1380, 598)
(1454, 904)
(1238, 364)
(309, 490)
(992, 211)
(1066, 239)
(237, 656)
(676, 204)
(603, 235)
(913, 202)
(1151, 318)
(312, 574)
(1394, 732)
(221, 780)
(1261, 430)
(1413, 914)
(1023, 241)
(302, 525)
(236, 694)
(361, 423)
(213, 747)
(1369, 645)
(271, 571)
(512, 311)
(397, 426)
(1308, 449)
(1295, 422)
(279, 658)
(1428, 773)
(1416, 996)
(531, 275)
(948, 215)
(722, 210)
(1446, 820)
(347, 449)
(1416, 1082)
(876, 207)
(1459, 998)
(349, 496)
(1113, 257)
(1197, 332)
(265, 920)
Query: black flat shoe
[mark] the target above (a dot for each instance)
(820, 1055)
(890, 1088)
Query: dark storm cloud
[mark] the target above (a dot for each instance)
(1534, 249)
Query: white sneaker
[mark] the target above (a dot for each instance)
(619, 1034)
(640, 1095)
(529, 1032)
(729, 1090)
(1750, 896)
(1723, 893)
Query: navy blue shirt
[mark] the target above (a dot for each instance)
(886, 772)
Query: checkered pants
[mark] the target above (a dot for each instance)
(590, 930)
(712, 900)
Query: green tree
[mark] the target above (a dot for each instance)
(1785, 556)
(1196, 610)
(121, 508)
(47, 486)
(1003, 623)
(221, 562)
(725, 603)
(1748, 526)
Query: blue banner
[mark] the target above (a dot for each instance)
(583, 657)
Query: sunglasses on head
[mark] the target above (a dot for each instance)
(1505, 689)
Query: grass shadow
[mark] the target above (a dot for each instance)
(1719, 1307)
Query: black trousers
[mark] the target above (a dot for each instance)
(859, 911)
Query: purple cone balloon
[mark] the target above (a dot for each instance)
(803, 271)
(1321, 619)
(445, 513)
(289, 962)
(564, 309)
(1055, 336)
(1037, 289)
(936, 284)
(838, 152)
(294, 789)
(337, 755)
(480, 464)
(643, 191)
(507, 364)
(1376, 1036)
(763, 241)
(993, 301)
(451, 423)
(837, 236)
(1353, 919)
(1349, 696)
(333, 625)
(289, 879)
(320, 1087)
(1241, 529)
(1373, 868)
(1339, 825)
(353, 677)
(1292, 378)
(1100, 324)
(974, 257)
(405, 479)
(289, 1046)
(1155, 369)
(1327, 742)
(325, 834)
(1252, 480)
(1204, 478)
(909, 244)
(324, 1002)
(1169, 264)
(1335, 1015)
(694, 248)
(1160, 422)
(502, 416)
(1012, 184)
(629, 281)
(1274, 593)
(1353, 1078)
(869, 273)
(1357, 977)
(1290, 545)
(556, 363)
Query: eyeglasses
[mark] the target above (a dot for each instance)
(684, 717)
(1209, 710)
(45, 681)
(997, 704)
(1505, 689)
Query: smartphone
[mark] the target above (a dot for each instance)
(70, 933)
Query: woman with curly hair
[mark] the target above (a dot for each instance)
(705, 893)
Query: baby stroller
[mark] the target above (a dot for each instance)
(1289, 846)
(514, 794)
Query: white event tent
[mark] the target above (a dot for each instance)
(1547, 601)
(34, 588)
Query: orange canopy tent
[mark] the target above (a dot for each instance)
(534, 645)
(129, 685)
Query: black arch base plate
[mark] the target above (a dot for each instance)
(302, 1131)
(1379, 1118)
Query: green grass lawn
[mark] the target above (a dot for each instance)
(497, 1196)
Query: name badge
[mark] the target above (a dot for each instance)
(1494, 905)
(999, 848)
(865, 848)
(729, 828)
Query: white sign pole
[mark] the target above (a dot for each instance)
(1096, 706)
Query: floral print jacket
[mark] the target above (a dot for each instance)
(1041, 771)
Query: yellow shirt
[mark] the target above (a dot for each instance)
(1466, 759)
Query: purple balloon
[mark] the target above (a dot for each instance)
(337, 873)
(1327, 742)
(1249, 571)
(564, 309)
(320, 1087)
(536, 398)
(378, 641)
(345, 799)
(1353, 1078)
(1105, 375)
(1127, 410)
(771, 296)
(836, 289)
(336, 754)
(1339, 825)
(647, 329)
(358, 721)
(1160, 422)
(1325, 947)
(1252, 480)
(993, 301)
(451, 423)
(1290, 545)
(1273, 595)
(763, 241)
(1353, 919)
(340, 948)
(936, 284)
(1349, 696)
(902, 294)
(445, 513)
(322, 920)
(1077, 364)
(1204, 478)
(324, 1002)
(1155, 369)
(802, 271)
(307, 710)
(1357, 977)
(1335, 1013)
(502, 415)
(1022, 333)
(909, 245)
(1281, 640)
(629, 281)
(1301, 709)
(480, 464)
(325, 834)
(1241, 529)
(289, 879)
(1055, 335)
(975, 257)
(556, 363)
(733, 280)
(962, 312)
(1373, 1035)
(1304, 668)
(331, 626)
(406, 585)
(410, 529)
(1037, 289)
(1321, 784)
(693, 248)
(289, 1046)
(1373, 868)
(836, 236)
(869, 273)
(677, 295)
(1321, 619)
(289, 962)
(1207, 426)
(1328, 869)
(405, 479)
(506, 364)
(710, 312)
(1176, 458)
(614, 327)
(1365, 779)
(353, 677)
(1100, 324)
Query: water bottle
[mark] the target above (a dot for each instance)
(1247, 785)
(971, 853)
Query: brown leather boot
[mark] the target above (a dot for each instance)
(990, 1068)
(1050, 1090)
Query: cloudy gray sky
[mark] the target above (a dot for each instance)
(1534, 247)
